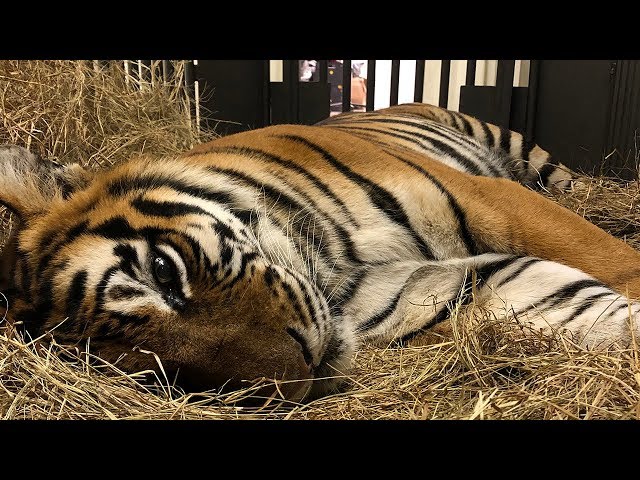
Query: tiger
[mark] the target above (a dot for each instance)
(277, 253)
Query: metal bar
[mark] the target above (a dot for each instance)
(445, 71)
(323, 65)
(612, 107)
(471, 73)
(532, 99)
(395, 82)
(504, 90)
(371, 84)
(623, 112)
(346, 85)
(418, 90)
(266, 93)
(634, 103)
(291, 77)
(189, 74)
(189, 82)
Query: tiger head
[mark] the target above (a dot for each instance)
(147, 267)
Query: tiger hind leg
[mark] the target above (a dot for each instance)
(529, 163)
(400, 300)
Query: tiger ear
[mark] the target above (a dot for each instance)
(29, 184)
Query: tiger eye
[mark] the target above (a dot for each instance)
(162, 270)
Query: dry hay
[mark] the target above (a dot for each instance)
(610, 203)
(483, 368)
(473, 367)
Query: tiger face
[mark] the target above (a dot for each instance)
(143, 274)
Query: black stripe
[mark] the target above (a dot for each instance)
(293, 299)
(225, 232)
(36, 318)
(546, 170)
(75, 296)
(443, 148)
(122, 186)
(247, 217)
(129, 318)
(124, 292)
(458, 211)
(306, 353)
(303, 285)
(437, 129)
(107, 330)
(617, 309)
(226, 255)
(505, 141)
(477, 152)
(270, 275)
(570, 291)
(44, 302)
(246, 258)
(288, 164)
(119, 228)
(166, 209)
(440, 317)
(100, 290)
(175, 299)
(466, 124)
(380, 197)
(489, 138)
(485, 272)
(309, 303)
(587, 303)
(129, 258)
(311, 290)
(277, 196)
(116, 228)
(453, 120)
(50, 247)
(349, 292)
(380, 316)
(515, 274)
(563, 294)
(525, 151)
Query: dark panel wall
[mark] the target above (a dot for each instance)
(573, 109)
(234, 92)
(625, 115)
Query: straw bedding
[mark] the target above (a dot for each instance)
(473, 367)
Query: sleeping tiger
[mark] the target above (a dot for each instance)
(277, 252)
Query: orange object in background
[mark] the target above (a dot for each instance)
(358, 91)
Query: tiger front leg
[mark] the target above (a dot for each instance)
(402, 299)
(503, 216)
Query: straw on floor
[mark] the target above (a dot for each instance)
(473, 367)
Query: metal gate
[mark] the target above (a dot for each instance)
(585, 112)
